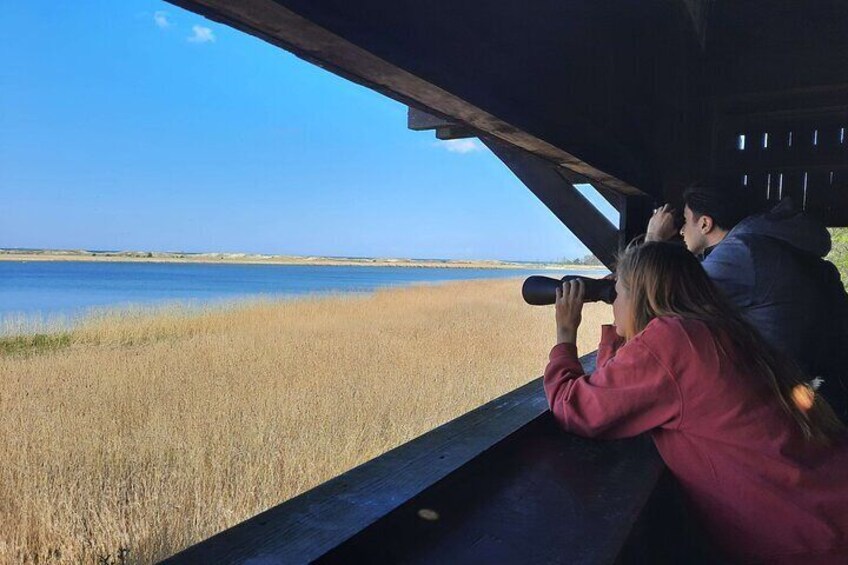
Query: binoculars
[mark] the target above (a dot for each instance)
(540, 291)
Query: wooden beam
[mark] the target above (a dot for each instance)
(591, 227)
(419, 120)
(635, 213)
(623, 166)
(526, 502)
(455, 132)
(615, 199)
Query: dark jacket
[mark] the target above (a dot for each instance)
(771, 266)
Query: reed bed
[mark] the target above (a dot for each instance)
(132, 436)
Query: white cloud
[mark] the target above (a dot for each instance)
(201, 35)
(461, 145)
(161, 20)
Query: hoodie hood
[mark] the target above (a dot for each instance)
(785, 223)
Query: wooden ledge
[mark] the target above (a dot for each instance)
(509, 441)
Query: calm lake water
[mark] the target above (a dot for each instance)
(50, 290)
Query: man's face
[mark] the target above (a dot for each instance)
(694, 232)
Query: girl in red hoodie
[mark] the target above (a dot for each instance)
(761, 458)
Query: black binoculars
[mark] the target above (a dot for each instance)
(540, 291)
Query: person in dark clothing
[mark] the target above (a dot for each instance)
(772, 267)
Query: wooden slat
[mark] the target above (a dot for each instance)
(806, 147)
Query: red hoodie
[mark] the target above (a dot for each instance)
(761, 491)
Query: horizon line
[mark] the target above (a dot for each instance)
(237, 254)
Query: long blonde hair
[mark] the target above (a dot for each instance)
(664, 279)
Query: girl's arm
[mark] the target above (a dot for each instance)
(628, 394)
(610, 342)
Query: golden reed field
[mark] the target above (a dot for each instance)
(131, 437)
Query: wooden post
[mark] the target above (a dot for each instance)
(547, 182)
(633, 221)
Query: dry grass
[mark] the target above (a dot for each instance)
(130, 438)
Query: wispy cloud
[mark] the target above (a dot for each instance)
(161, 20)
(461, 145)
(201, 34)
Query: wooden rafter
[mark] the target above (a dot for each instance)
(274, 22)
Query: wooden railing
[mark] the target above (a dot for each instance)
(501, 483)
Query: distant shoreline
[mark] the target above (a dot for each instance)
(256, 259)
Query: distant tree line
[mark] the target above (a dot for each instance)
(587, 260)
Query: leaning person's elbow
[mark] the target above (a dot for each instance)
(573, 418)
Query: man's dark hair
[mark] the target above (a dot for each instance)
(725, 208)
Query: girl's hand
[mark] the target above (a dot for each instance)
(569, 310)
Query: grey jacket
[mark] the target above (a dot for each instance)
(771, 266)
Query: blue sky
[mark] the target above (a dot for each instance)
(138, 125)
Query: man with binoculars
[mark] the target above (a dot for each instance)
(772, 267)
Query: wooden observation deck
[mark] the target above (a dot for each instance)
(637, 98)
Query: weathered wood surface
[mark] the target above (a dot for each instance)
(543, 496)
